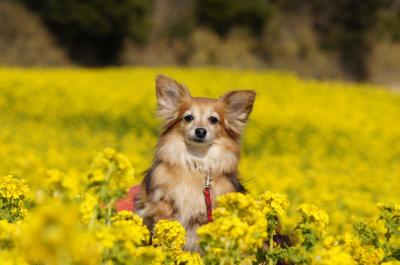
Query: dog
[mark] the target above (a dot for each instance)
(200, 141)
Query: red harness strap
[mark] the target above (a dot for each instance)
(207, 198)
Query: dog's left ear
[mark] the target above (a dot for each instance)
(238, 105)
(170, 94)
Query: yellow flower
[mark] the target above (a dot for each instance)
(12, 187)
(125, 241)
(330, 241)
(131, 233)
(87, 206)
(8, 232)
(239, 227)
(127, 231)
(395, 262)
(169, 235)
(333, 256)
(240, 205)
(306, 151)
(233, 232)
(106, 237)
(57, 182)
(148, 255)
(97, 176)
(393, 207)
(188, 258)
(12, 257)
(111, 173)
(127, 216)
(13, 198)
(52, 233)
(314, 215)
(274, 202)
(363, 254)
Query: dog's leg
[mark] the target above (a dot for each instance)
(153, 212)
(192, 243)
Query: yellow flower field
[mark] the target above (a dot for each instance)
(326, 152)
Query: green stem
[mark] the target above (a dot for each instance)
(93, 218)
(109, 212)
(271, 248)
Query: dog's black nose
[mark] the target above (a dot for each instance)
(200, 132)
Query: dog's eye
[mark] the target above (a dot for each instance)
(213, 120)
(188, 118)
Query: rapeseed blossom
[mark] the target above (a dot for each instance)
(8, 232)
(189, 259)
(58, 183)
(121, 241)
(295, 145)
(87, 207)
(52, 233)
(239, 234)
(12, 258)
(112, 169)
(169, 235)
(147, 255)
(362, 254)
(238, 230)
(13, 188)
(128, 217)
(13, 194)
(274, 203)
(314, 215)
(334, 255)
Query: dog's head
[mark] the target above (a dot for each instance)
(202, 121)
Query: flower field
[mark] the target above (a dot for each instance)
(321, 161)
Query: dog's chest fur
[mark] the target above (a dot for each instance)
(187, 197)
(183, 188)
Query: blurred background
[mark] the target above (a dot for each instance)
(357, 40)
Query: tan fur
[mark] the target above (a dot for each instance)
(173, 187)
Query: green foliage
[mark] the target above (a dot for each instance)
(349, 28)
(93, 32)
(366, 233)
(392, 24)
(390, 215)
(100, 25)
(222, 15)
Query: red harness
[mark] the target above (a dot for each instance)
(207, 197)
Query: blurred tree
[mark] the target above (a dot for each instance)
(348, 26)
(93, 30)
(23, 38)
(173, 19)
(223, 15)
(390, 20)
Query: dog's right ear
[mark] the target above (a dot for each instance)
(170, 94)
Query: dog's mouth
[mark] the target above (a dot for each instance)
(197, 141)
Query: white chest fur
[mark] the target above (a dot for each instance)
(188, 199)
(184, 188)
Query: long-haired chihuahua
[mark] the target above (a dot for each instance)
(200, 141)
